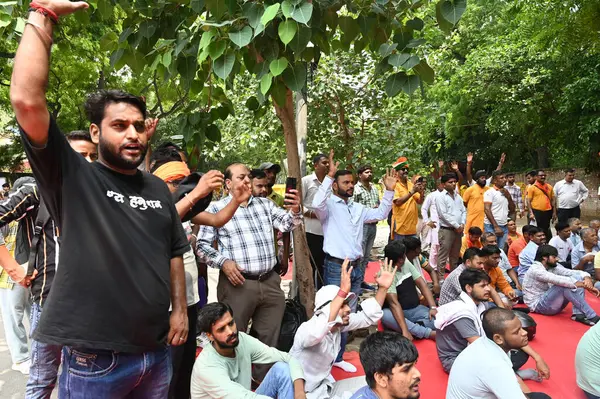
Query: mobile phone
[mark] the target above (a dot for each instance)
(290, 184)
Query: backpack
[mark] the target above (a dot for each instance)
(293, 316)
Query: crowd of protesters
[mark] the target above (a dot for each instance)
(106, 248)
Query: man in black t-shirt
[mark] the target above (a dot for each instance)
(122, 242)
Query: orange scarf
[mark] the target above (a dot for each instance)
(171, 171)
(546, 190)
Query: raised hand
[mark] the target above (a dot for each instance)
(210, 181)
(151, 125)
(390, 179)
(454, 165)
(502, 158)
(333, 166)
(469, 157)
(63, 7)
(241, 193)
(385, 276)
(440, 164)
(345, 280)
(292, 201)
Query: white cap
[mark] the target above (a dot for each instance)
(328, 294)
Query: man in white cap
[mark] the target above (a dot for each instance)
(317, 341)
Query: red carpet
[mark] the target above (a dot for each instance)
(556, 340)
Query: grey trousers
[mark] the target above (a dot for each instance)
(369, 233)
(450, 242)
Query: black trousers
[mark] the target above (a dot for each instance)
(564, 214)
(537, 395)
(543, 219)
(518, 359)
(183, 358)
(317, 260)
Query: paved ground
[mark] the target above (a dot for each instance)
(12, 383)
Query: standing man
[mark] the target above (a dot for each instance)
(530, 179)
(312, 224)
(541, 202)
(452, 214)
(516, 195)
(432, 220)
(405, 215)
(498, 204)
(246, 257)
(106, 270)
(367, 195)
(570, 194)
(343, 221)
(473, 199)
(272, 170)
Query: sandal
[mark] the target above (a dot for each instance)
(582, 319)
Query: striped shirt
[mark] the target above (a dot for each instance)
(367, 197)
(515, 193)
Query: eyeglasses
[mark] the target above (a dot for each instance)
(404, 169)
(541, 175)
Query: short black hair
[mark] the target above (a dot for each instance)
(533, 230)
(79, 135)
(561, 225)
(476, 231)
(538, 172)
(545, 250)
(6, 185)
(382, 351)
(497, 173)
(169, 144)
(472, 277)
(258, 174)
(363, 168)
(527, 229)
(532, 173)
(448, 176)
(227, 174)
(470, 253)
(509, 174)
(318, 157)
(394, 251)
(164, 155)
(569, 170)
(411, 243)
(494, 321)
(96, 103)
(490, 250)
(340, 173)
(212, 313)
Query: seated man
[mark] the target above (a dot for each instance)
(537, 237)
(224, 368)
(507, 295)
(389, 361)
(549, 287)
(562, 243)
(413, 255)
(514, 249)
(484, 369)
(472, 259)
(403, 311)
(587, 363)
(471, 239)
(318, 340)
(509, 272)
(582, 255)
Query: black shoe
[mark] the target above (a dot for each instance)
(584, 320)
(595, 319)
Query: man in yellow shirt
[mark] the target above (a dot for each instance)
(405, 214)
(541, 203)
(473, 198)
(471, 239)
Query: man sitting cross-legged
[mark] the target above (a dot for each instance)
(224, 369)
(318, 340)
(549, 287)
(389, 360)
(403, 311)
(472, 259)
(484, 369)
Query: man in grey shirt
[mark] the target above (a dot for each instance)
(452, 214)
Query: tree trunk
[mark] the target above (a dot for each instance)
(542, 157)
(304, 277)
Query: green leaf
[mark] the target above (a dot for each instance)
(166, 59)
(135, 60)
(398, 59)
(109, 41)
(403, 37)
(453, 10)
(410, 84)
(415, 23)
(216, 49)
(223, 65)
(252, 104)
(393, 84)
(265, 83)
(186, 66)
(278, 66)
(105, 8)
(350, 27)
(259, 29)
(115, 57)
(444, 25)
(412, 61)
(286, 8)
(425, 72)
(213, 133)
(414, 43)
(301, 39)
(206, 38)
(270, 13)
(287, 30)
(242, 37)
(197, 6)
(295, 78)
(147, 28)
(387, 49)
(125, 34)
(331, 19)
(217, 8)
(253, 12)
(303, 12)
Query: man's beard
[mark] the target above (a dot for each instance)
(344, 194)
(481, 183)
(226, 345)
(481, 298)
(551, 264)
(112, 156)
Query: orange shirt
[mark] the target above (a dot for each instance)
(513, 237)
(466, 243)
(498, 282)
(538, 200)
(515, 250)
(473, 198)
(405, 217)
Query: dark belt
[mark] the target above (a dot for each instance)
(258, 277)
(339, 261)
(447, 228)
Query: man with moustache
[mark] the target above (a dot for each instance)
(106, 270)
(497, 204)
(472, 259)
(527, 255)
(224, 368)
(473, 199)
(271, 171)
(405, 213)
(542, 203)
(343, 221)
(516, 195)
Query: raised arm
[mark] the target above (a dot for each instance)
(319, 203)
(210, 181)
(385, 205)
(240, 195)
(17, 205)
(469, 168)
(30, 71)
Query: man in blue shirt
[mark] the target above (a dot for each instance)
(389, 361)
(537, 237)
(582, 255)
(343, 221)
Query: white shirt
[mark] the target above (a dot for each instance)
(483, 370)
(428, 208)
(310, 186)
(570, 195)
(451, 211)
(343, 222)
(316, 347)
(499, 206)
(564, 247)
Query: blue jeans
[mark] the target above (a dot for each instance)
(401, 237)
(417, 320)
(45, 360)
(369, 233)
(556, 298)
(488, 228)
(333, 275)
(15, 304)
(590, 395)
(277, 383)
(103, 374)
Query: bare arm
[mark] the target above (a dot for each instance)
(178, 321)
(487, 208)
(398, 313)
(422, 285)
(10, 265)
(512, 273)
(434, 277)
(496, 298)
(469, 168)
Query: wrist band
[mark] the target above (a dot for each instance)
(33, 6)
(190, 201)
(342, 294)
(40, 29)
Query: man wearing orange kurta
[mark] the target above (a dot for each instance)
(405, 215)
(473, 198)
